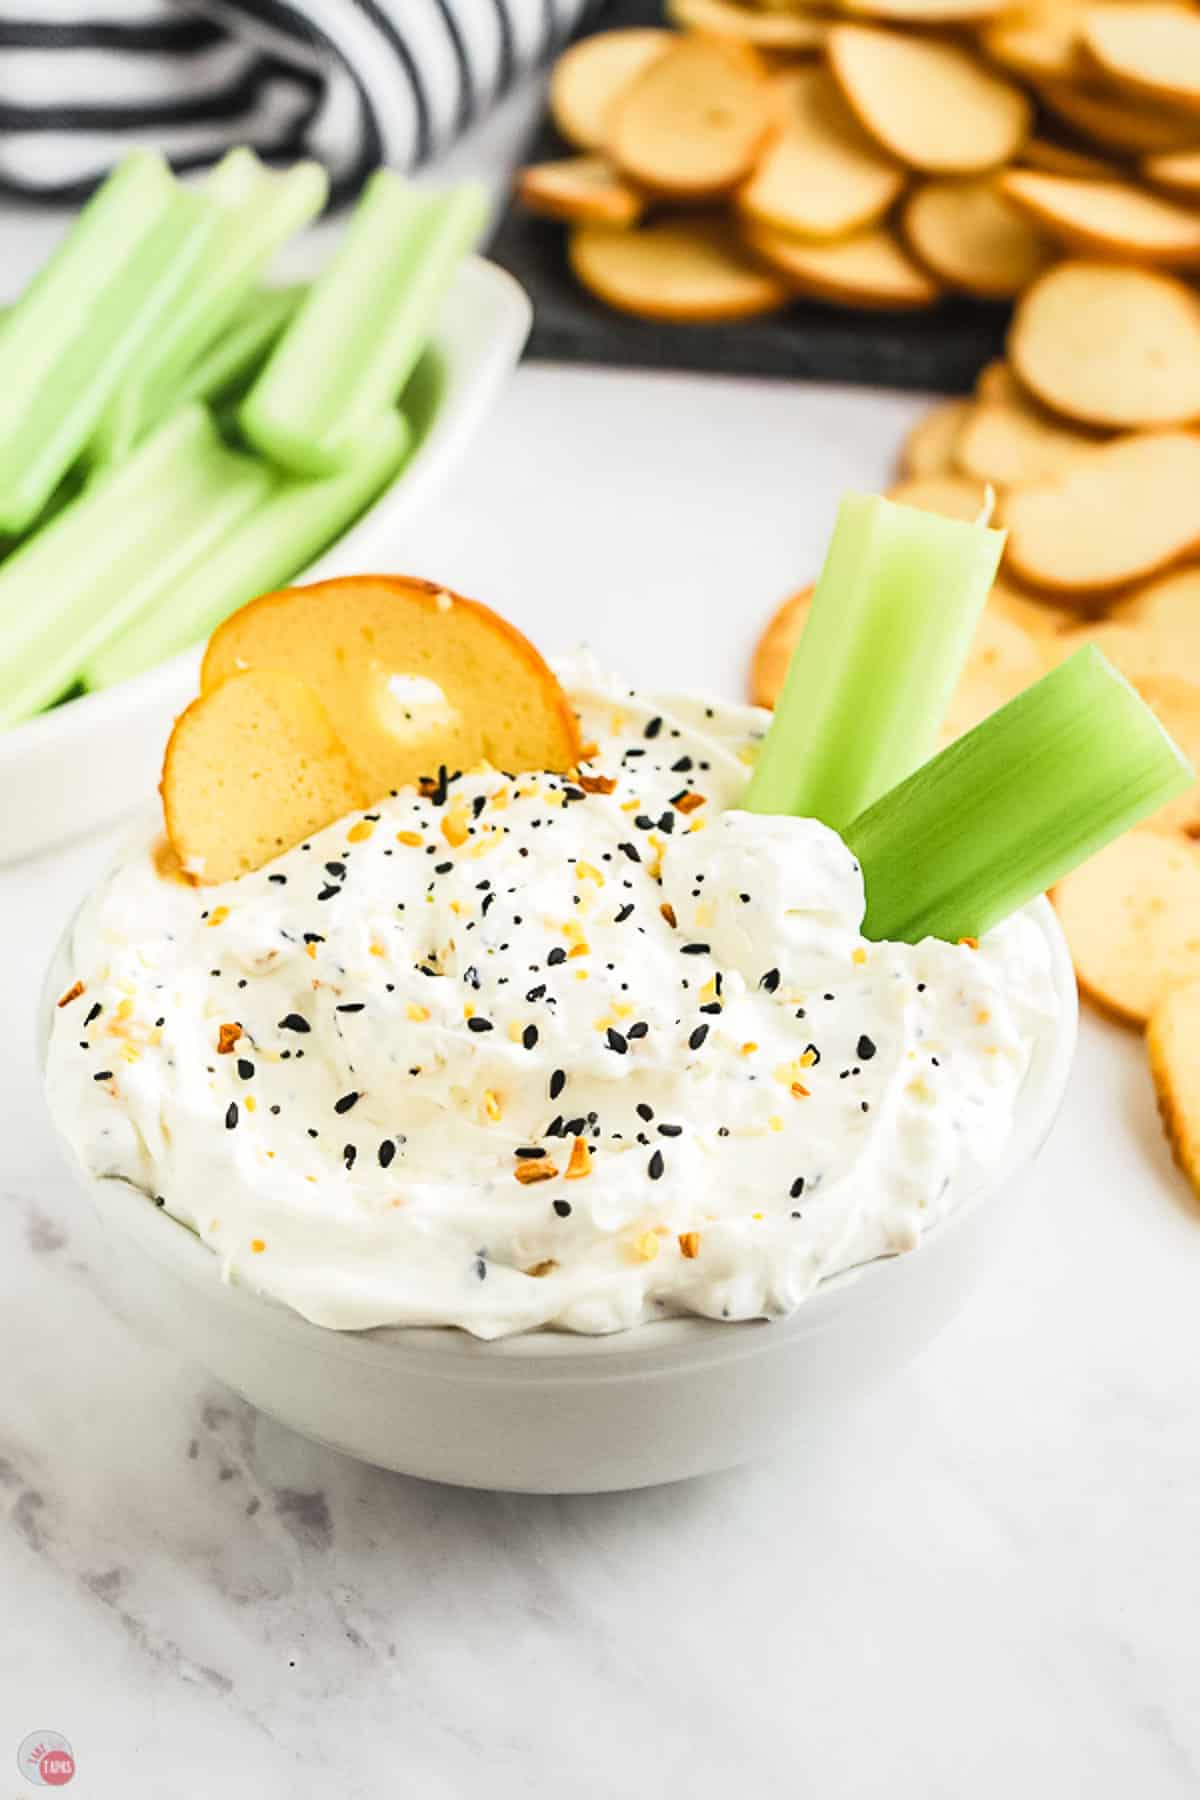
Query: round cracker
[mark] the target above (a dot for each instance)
(252, 767)
(1173, 1051)
(870, 270)
(588, 77)
(953, 496)
(1109, 346)
(929, 448)
(773, 652)
(692, 123)
(1132, 919)
(995, 381)
(1176, 703)
(1153, 50)
(822, 176)
(1178, 172)
(1121, 515)
(1107, 218)
(688, 271)
(931, 104)
(1013, 442)
(1035, 613)
(783, 30)
(1063, 159)
(1118, 121)
(1003, 660)
(579, 189)
(973, 238)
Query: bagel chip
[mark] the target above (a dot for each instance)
(1109, 346)
(773, 652)
(784, 30)
(689, 271)
(1125, 512)
(953, 496)
(411, 676)
(1178, 172)
(973, 237)
(930, 447)
(1013, 442)
(1155, 50)
(870, 269)
(588, 77)
(579, 188)
(691, 125)
(822, 176)
(930, 103)
(252, 767)
(1107, 218)
(1121, 122)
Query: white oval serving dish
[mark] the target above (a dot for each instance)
(554, 1412)
(86, 762)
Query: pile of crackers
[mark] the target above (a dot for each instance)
(1081, 436)
(872, 153)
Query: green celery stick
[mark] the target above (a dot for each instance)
(884, 644)
(259, 209)
(350, 349)
(233, 358)
(272, 544)
(1015, 804)
(120, 301)
(117, 549)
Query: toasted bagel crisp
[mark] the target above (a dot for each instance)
(1173, 1050)
(411, 676)
(252, 767)
(1132, 918)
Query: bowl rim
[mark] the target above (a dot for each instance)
(552, 1353)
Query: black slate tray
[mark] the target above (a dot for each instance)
(941, 349)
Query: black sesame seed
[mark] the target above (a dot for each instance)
(345, 1104)
(294, 1022)
(481, 1268)
(616, 1041)
(644, 1111)
(103, 1075)
(770, 981)
(644, 822)
(638, 1030)
(670, 1131)
(478, 1024)
(865, 1049)
(529, 1036)
(231, 1115)
(575, 1127)
(350, 1006)
(558, 1082)
(94, 1014)
(329, 893)
(631, 851)
(682, 766)
(563, 1208)
(530, 1152)
(694, 950)
(623, 914)
(387, 1152)
(656, 1165)
(698, 1036)
(536, 993)
(442, 868)
(653, 728)
(471, 977)
(245, 1068)
(349, 1152)
(797, 1187)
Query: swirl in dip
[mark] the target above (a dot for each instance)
(544, 1050)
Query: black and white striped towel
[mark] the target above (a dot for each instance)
(352, 82)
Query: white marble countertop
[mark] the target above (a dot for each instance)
(986, 1583)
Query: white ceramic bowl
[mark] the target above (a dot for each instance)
(553, 1412)
(87, 762)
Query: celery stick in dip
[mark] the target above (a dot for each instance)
(891, 623)
(117, 549)
(348, 353)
